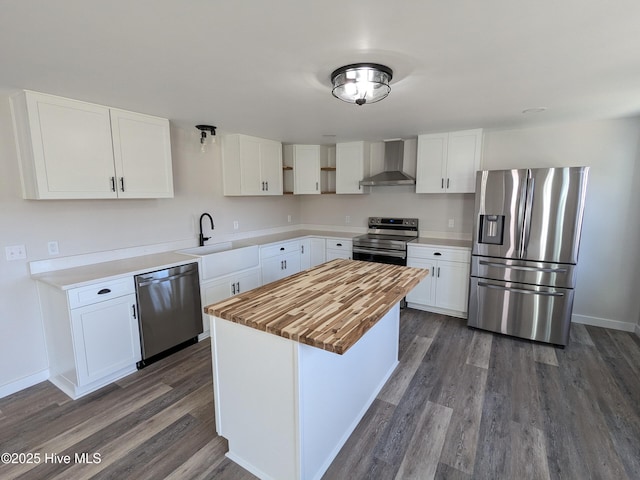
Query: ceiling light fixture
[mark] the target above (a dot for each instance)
(361, 83)
(203, 135)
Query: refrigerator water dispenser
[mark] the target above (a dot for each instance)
(491, 229)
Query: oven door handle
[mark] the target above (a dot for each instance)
(520, 290)
(386, 253)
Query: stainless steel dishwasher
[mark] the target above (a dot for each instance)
(169, 311)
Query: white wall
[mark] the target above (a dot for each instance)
(609, 265)
(81, 226)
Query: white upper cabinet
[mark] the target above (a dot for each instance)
(448, 162)
(306, 169)
(251, 165)
(70, 149)
(142, 153)
(352, 165)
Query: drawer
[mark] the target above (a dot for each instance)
(342, 244)
(99, 292)
(433, 252)
(279, 249)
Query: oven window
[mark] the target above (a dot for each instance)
(370, 257)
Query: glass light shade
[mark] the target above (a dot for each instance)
(361, 83)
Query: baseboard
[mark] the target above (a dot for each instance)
(25, 382)
(426, 308)
(605, 323)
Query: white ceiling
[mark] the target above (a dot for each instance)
(262, 67)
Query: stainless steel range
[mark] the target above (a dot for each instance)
(386, 240)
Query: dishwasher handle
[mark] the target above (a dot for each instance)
(153, 280)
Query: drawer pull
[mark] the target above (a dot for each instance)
(338, 244)
(437, 254)
(282, 249)
(104, 290)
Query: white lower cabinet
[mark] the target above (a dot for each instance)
(224, 287)
(280, 266)
(338, 248)
(446, 288)
(312, 252)
(92, 334)
(106, 337)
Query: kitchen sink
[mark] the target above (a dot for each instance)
(219, 259)
(206, 249)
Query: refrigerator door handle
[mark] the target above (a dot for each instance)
(521, 290)
(527, 269)
(528, 206)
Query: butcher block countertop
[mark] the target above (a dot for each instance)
(330, 306)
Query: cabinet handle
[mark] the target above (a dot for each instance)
(133, 308)
(302, 249)
(447, 183)
(238, 289)
(433, 271)
(438, 272)
(267, 185)
(122, 183)
(338, 244)
(316, 186)
(285, 264)
(113, 184)
(104, 290)
(437, 253)
(442, 183)
(281, 264)
(233, 289)
(282, 249)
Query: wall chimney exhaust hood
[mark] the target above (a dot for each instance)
(392, 174)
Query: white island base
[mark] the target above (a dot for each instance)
(287, 408)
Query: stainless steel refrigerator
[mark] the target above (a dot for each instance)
(525, 250)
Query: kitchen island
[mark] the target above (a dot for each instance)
(297, 362)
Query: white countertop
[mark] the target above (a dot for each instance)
(88, 274)
(108, 270)
(295, 234)
(442, 242)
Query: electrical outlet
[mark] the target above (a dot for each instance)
(53, 248)
(235, 224)
(451, 223)
(347, 219)
(15, 252)
(289, 218)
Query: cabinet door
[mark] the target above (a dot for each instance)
(431, 161)
(332, 254)
(281, 266)
(215, 291)
(317, 253)
(305, 254)
(306, 169)
(423, 293)
(106, 337)
(271, 167)
(272, 269)
(463, 160)
(352, 165)
(69, 154)
(142, 154)
(452, 285)
(251, 182)
(246, 281)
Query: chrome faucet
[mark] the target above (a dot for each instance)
(201, 237)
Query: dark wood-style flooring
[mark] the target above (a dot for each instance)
(464, 404)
